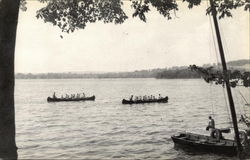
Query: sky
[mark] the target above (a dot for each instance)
(134, 45)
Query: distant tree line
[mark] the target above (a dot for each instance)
(177, 74)
(135, 74)
(172, 73)
(185, 72)
(181, 72)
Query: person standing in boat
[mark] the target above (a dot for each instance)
(211, 125)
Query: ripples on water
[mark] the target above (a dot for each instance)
(106, 129)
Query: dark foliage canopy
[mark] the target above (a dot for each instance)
(236, 78)
(70, 15)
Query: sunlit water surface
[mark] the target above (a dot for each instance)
(106, 129)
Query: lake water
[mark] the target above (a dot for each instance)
(106, 129)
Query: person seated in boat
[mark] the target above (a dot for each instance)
(244, 119)
(83, 95)
(131, 98)
(140, 98)
(153, 97)
(159, 96)
(67, 96)
(149, 98)
(136, 98)
(61, 96)
(77, 95)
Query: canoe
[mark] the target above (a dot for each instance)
(162, 100)
(203, 143)
(49, 99)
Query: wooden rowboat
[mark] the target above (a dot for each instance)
(161, 100)
(203, 143)
(49, 99)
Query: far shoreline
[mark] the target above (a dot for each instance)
(176, 72)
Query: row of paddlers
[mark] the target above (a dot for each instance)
(150, 99)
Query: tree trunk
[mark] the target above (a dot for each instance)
(8, 24)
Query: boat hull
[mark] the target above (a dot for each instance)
(163, 100)
(205, 144)
(49, 99)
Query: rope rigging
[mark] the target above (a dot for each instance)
(215, 75)
(219, 68)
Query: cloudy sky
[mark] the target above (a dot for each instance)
(133, 45)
